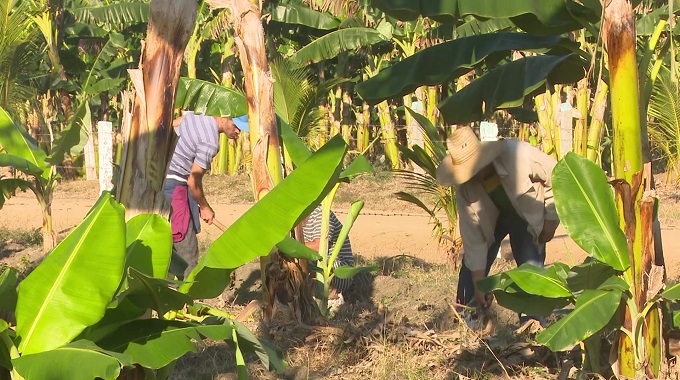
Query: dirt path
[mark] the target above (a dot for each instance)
(375, 234)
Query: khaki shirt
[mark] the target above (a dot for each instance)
(525, 174)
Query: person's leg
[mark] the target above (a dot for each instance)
(188, 249)
(466, 288)
(522, 242)
(525, 251)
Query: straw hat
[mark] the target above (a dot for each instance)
(467, 156)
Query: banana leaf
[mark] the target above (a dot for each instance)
(268, 222)
(592, 312)
(539, 281)
(147, 292)
(9, 186)
(533, 16)
(475, 27)
(296, 250)
(433, 141)
(508, 86)
(296, 14)
(71, 288)
(336, 42)
(672, 293)
(119, 312)
(586, 208)
(6, 345)
(529, 304)
(449, 60)
(80, 360)
(19, 163)
(208, 98)
(359, 165)
(16, 141)
(296, 148)
(113, 16)
(154, 343)
(589, 275)
(8, 289)
(347, 271)
(73, 138)
(149, 244)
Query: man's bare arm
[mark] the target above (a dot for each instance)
(195, 184)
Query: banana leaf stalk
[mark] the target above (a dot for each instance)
(596, 128)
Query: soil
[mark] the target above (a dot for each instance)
(398, 323)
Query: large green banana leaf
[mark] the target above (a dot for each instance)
(511, 296)
(476, 27)
(6, 345)
(593, 310)
(336, 42)
(539, 281)
(147, 292)
(80, 360)
(509, 85)
(71, 288)
(529, 304)
(449, 60)
(154, 343)
(266, 223)
(21, 164)
(119, 312)
(113, 16)
(9, 186)
(8, 289)
(16, 141)
(296, 14)
(149, 244)
(585, 205)
(295, 147)
(534, 16)
(297, 250)
(589, 275)
(209, 98)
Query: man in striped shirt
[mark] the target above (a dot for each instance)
(199, 141)
(311, 230)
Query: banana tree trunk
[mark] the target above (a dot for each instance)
(280, 294)
(640, 353)
(149, 137)
(389, 134)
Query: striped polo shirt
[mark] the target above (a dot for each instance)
(312, 231)
(199, 141)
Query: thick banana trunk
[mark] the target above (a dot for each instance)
(148, 130)
(641, 356)
(289, 292)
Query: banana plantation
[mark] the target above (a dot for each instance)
(333, 90)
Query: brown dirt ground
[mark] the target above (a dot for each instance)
(397, 323)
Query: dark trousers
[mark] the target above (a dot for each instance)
(523, 250)
(187, 248)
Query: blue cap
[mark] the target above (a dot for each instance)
(242, 123)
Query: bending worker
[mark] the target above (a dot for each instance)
(502, 188)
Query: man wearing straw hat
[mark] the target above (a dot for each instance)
(502, 188)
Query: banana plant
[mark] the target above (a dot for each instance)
(21, 152)
(601, 288)
(325, 262)
(424, 182)
(76, 309)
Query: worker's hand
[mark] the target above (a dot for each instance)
(207, 214)
(483, 300)
(548, 233)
